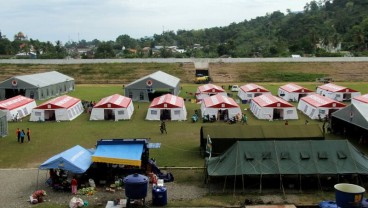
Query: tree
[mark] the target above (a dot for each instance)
(105, 50)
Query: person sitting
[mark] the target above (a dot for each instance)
(37, 196)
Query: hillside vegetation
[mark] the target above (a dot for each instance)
(124, 73)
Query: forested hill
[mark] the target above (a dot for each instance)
(323, 22)
(324, 28)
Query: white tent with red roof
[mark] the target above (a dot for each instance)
(167, 107)
(115, 107)
(249, 91)
(293, 92)
(271, 107)
(17, 107)
(208, 90)
(220, 105)
(337, 92)
(316, 106)
(63, 108)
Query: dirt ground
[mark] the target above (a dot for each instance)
(219, 72)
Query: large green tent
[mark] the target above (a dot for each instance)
(222, 140)
(280, 158)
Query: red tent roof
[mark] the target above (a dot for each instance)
(207, 88)
(114, 101)
(335, 88)
(220, 101)
(15, 102)
(253, 88)
(291, 87)
(362, 98)
(268, 100)
(64, 101)
(322, 101)
(167, 101)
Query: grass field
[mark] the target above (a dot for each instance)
(179, 148)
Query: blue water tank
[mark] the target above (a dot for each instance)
(349, 195)
(136, 186)
(327, 204)
(159, 196)
(365, 203)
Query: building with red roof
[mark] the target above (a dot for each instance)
(292, 92)
(316, 106)
(167, 107)
(63, 108)
(337, 92)
(271, 107)
(17, 107)
(249, 91)
(115, 107)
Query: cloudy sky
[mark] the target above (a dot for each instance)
(74, 20)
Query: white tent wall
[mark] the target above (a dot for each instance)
(72, 112)
(120, 113)
(97, 114)
(249, 95)
(37, 115)
(312, 111)
(21, 111)
(153, 114)
(267, 112)
(261, 113)
(177, 114)
(214, 111)
(61, 114)
(288, 96)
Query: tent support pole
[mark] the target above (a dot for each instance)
(282, 185)
(300, 183)
(223, 190)
(234, 186)
(38, 173)
(260, 184)
(243, 182)
(319, 183)
(209, 184)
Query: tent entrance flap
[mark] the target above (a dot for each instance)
(50, 115)
(9, 93)
(278, 113)
(109, 114)
(165, 114)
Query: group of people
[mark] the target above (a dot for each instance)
(20, 134)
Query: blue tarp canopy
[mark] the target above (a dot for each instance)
(119, 152)
(76, 160)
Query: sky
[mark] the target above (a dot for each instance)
(74, 20)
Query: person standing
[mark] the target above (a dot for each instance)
(29, 135)
(18, 134)
(74, 184)
(163, 127)
(22, 134)
(286, 122)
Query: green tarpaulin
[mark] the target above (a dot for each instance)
(289, 157)
(223, 137)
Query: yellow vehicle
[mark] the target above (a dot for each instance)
(202, 79)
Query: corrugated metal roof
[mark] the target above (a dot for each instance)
(161, 77)
(45, 78)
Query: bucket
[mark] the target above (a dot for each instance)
(348, 195)
(159, 196)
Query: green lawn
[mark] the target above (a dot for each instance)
(180, 147)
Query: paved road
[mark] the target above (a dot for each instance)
(184, 60)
